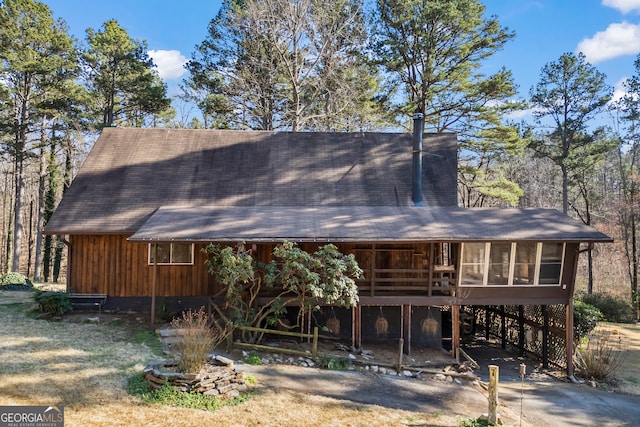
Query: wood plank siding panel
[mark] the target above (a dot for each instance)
(110, 264)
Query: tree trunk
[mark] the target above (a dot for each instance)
(46, 259)
(7, 202)
(57, 261)
(565, 189)
(17, 215)
(634, 255)
(589, 272)
(40, 212)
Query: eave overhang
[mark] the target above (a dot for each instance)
(360, 224)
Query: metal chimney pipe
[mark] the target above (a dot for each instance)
(416, 187)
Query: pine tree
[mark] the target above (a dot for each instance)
(432, 52)
(37, 57)
(121, 78)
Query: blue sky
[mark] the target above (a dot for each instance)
(606, 31)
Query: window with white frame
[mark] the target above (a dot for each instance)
(171, 253)
(472, 269)
(499, 264)
(511, 263)
(551, 263)
(524, 272)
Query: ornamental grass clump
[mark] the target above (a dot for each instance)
(199, 334)
(600, 355)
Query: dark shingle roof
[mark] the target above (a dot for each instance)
(130, 173)
(362, 224)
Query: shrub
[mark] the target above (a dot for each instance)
(585, 318)
(200, 334)
(54, 303)
(335, 363)
(599, 355)
(13, 280)
(253, 359)
(613, 309)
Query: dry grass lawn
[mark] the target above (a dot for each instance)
(628, 375)
(85, 367)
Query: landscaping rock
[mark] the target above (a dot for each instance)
(212, 380)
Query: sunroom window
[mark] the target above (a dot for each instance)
(511, 264)
(172, 253)
(499, 264)
(551, 263)
(473, 264)
(525, 263)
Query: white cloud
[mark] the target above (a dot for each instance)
(619, 91)
(170, 63)
(617, 40)
(624, 6)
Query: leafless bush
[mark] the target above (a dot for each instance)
(600, 355)
(199, 334)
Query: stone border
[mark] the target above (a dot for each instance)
(217, 378)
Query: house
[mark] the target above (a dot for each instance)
(166, 193)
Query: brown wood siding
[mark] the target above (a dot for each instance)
(110, 264)
(513, 295)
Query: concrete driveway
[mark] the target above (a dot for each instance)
(546, 400)
(554, 400)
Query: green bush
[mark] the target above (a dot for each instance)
(335, 363)
(253, 359)
(54, 303)
(16, 281)
(585, 318)
(613, 309)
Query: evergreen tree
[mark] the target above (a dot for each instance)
(432, 51)
(121, 78)
(37, 56)
(570, 93)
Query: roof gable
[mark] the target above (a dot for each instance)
(130, 173)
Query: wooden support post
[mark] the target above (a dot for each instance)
(545, 337)
(503, 327)
(569, 336)
(69, 286)
(356, 332)
(494, 372)
(473, 321)
(154, 284)
(455, 331)
(432, 260)
(487, 323)
(372, 271)
(406, 328)
(521, 329)
(400, 355)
